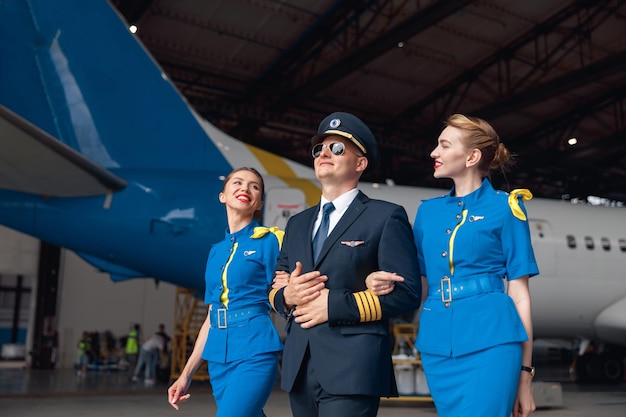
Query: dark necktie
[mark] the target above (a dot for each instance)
(322, 231)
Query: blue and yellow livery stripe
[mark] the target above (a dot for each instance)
(369, 306)
(276, 166)
(224, 295)
(451, 243)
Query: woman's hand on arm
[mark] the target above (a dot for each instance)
(381, 282)
(281, 279)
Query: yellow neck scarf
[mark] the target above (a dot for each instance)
(514, 201)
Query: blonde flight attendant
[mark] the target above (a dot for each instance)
(238, 338)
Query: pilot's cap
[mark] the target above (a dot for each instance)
(350, 127)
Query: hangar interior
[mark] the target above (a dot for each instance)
(267, 71)
(548, 74)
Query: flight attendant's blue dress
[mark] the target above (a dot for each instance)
(243, 345)
(470, 333)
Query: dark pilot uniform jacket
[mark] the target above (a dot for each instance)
(351, 353)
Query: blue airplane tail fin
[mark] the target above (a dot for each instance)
(73, 69)
(81, 97)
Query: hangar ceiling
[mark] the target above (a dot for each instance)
(541, 71)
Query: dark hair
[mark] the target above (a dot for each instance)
(482, 136)
(257, 214)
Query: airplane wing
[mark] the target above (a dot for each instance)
(33, 161)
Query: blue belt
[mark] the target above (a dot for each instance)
(222, 317)
(449, 290)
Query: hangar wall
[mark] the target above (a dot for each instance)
(90, 301)
(18, 263)
(87, 298)
(18, 253)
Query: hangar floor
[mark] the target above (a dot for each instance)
(60, 393)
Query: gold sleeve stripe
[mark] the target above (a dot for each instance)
(377, 308)
(272, 296)
(359, 304)
(367, 311)
(368, 305)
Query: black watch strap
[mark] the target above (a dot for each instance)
(529, 369)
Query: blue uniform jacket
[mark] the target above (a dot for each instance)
(472, 238)
(351, 353)
(238, 272)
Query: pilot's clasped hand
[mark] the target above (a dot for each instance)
(303, 288)
(314, 312)
(381, 282)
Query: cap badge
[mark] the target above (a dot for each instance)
(334, 123)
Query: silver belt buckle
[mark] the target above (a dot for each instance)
(446, 291)
(221, 318)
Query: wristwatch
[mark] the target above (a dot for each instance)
(529, 369)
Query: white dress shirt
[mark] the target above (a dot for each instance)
(341, 204)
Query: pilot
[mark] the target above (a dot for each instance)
(337, 358)
(475, 334)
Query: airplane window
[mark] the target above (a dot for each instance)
(606, 243)
(571, 241)
(622, 245)
(589, 242)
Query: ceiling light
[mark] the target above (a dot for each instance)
(572, 141)
(132, 28)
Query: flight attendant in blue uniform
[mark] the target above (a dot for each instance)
(238, 338)
(475, 332)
